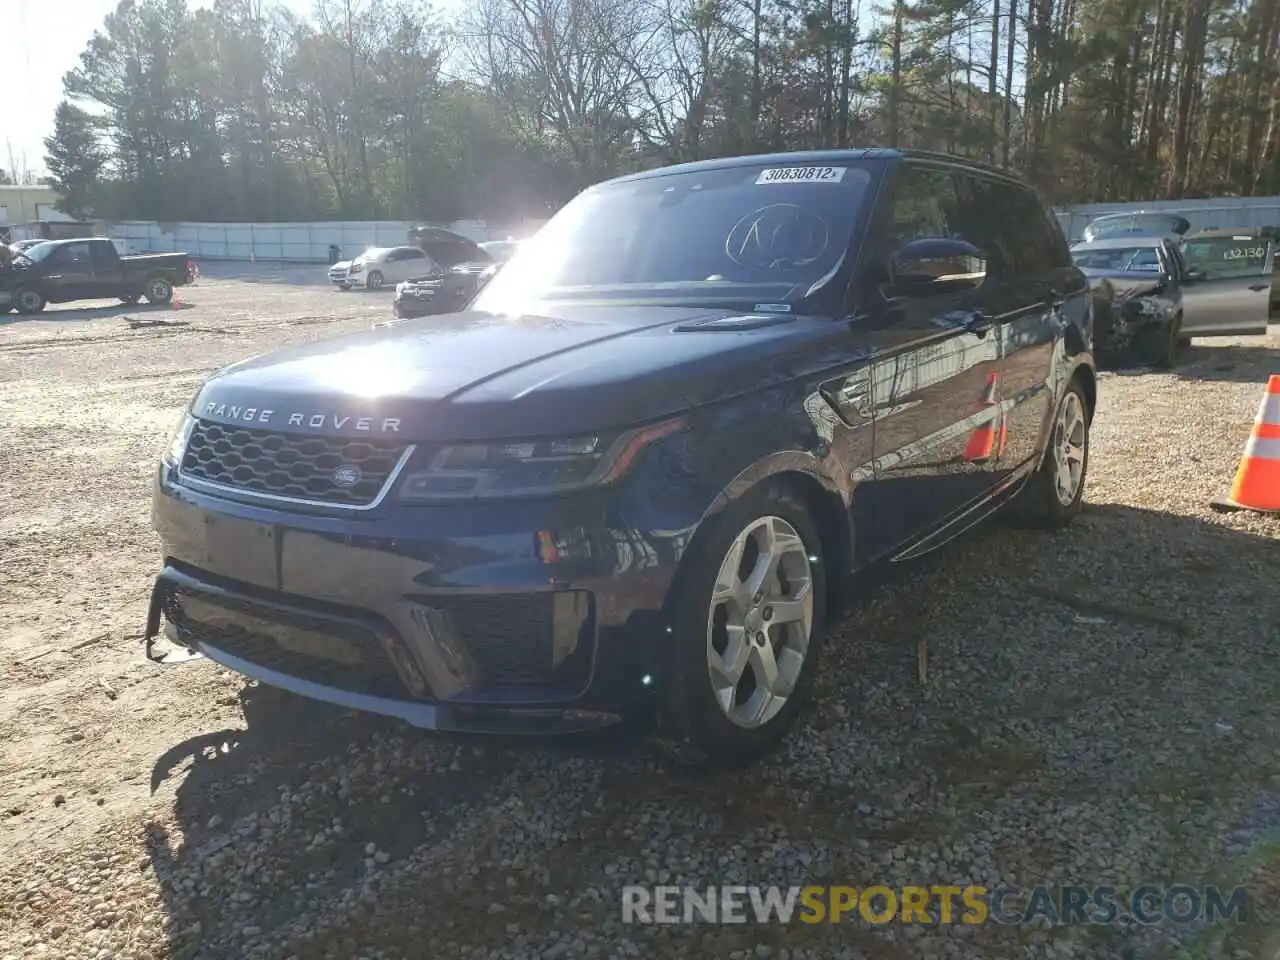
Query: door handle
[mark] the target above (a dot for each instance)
(857, 399)
(1259, 287)
(978, 323)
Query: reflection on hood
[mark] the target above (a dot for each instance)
(1122, 285)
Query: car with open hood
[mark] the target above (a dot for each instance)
(1156, 291)
(1138, 284)
(643, 468)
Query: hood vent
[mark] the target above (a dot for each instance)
(734, 324)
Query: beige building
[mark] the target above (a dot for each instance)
(21, 206)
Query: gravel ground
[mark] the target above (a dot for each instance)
(1103, 707)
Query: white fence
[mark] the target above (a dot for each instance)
(287, 242)
(1203, 214)
(309, 242)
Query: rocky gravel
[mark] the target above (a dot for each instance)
(1102, 707)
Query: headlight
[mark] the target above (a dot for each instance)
(356, 268)
(177, 445)
(490, 470)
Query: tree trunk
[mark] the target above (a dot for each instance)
(993, 72)
(1195, 27)
(1010, 42)
(895, 83)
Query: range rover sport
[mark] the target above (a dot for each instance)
(642, 466)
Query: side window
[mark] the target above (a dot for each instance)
(924, 206)
(412, 255)
(73, 255)
(101, 254)
(395, 255)
(1227, 257)
(1022, 239)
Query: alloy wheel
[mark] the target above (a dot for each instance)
(760, 621)
(1069, 439)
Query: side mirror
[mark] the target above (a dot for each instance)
(923, 268)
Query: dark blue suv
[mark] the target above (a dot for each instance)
(643, 466)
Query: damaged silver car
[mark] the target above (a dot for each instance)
(1138, 297)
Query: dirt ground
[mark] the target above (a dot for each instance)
(164, 812)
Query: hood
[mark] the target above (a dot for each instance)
(340, 265)
(475, 376)
(1123, 284)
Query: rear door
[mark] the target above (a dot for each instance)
(928, 380)
(1233, 294)
(108, 271)
(1032, 287)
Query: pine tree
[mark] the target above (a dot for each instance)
(75, 159)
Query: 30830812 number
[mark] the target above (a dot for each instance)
(801, 175)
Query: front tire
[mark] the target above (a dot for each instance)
(374, 280)
(750, 620)
(1161, 346)
(1054, 494)
(159, 290)
(28, 301)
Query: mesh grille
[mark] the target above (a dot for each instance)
(322, 469)
(252, 632)
(511, 640)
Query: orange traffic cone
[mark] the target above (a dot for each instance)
(987, 441)
(1257, 485)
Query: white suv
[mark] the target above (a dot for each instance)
(379, 266)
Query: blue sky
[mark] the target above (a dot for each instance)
(44, 39)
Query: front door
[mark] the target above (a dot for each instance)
(1232, 294)
(68, 274)
(928, 393)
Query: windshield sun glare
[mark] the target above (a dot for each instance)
(769, 233)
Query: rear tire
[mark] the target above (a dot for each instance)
(159, 290)
(28, 301)
(1054, 494)
(728, 624)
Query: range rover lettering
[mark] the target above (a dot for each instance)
(642, 468)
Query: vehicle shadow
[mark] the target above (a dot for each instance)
(142, 312)
(1234, 363)
(254, 846)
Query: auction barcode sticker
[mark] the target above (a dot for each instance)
(801, 175)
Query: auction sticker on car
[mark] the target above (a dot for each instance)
(801, 175)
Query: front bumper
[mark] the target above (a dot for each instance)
(1116, 327)
(407, 306)
(533, 618)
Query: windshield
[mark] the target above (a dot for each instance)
(1129, 259)
(38, 252)
(754, 233)
(1228, 256)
